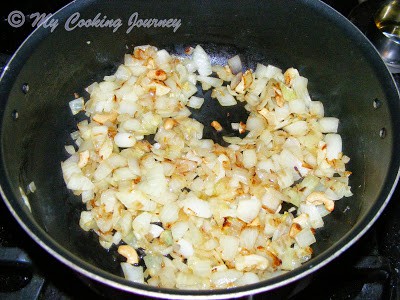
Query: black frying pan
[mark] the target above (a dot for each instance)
(344, 71)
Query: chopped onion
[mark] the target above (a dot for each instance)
(208, 216)
(195, 102)
(300, 87)
(70, 149)
(223, 96)
(247, 278)
(317, 108)
(235, 64)
(179, 229)
(255, 123)
(333, 145)
(32, 187)
(169, 213)
(155, 230)
(226, 277)
(315, 218)
(248, 237)
(248, 209)
(202, 61)
(214, 82)
(124, 140)
(77, 105)
(329, 124)
(268, 72)
(199, 207)
(305, 238)
(298, 128)
(186, 248)
(229, 246)
(133, 273)
(250, 262)
(297, 106)
(249, 158)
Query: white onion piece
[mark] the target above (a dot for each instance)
(300, 87)
(251, 261)
(133, 273)
(281, 113)
(163, 57)
(155, 230)
(123, 174)
(315, 218)
(169, 213)
(127, 107)
(80, 183)
(124, 140)
(109, 78)
(195, 102)
(266, 165)
(86, 221)
(322, 210)
(202, 61)
(154, 182)
(223, 96)
(271, 202)
(297, 106)
(235, 64)
(219, 207)
(229, 246)
(199, 207)
(70, 149)
(248, 237)
(141, 224)
(190, 65)
(108, 199)
(289, 160)
(122, 74)
(87, 195)
(333, 145)
(235, 81)
(247, 278)
(317, 108)
(179, 229)
(268, 72)
(77, 105)
(200, 267)
(235, 126)
(331, 194)
(255, 123)
(249, 158)
(248, 209)
(225, 277)
(298, 128)
(329, 124)
(305, 238)
(186, 248)
(91, 87)
(212, 81)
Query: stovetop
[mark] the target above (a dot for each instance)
(368, 270)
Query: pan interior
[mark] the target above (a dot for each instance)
(343, 71)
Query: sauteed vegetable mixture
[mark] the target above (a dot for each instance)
(187, 212)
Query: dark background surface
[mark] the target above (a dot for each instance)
(348, 277)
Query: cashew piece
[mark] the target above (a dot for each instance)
(129, 253)
(318, 198)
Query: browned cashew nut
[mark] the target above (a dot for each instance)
(318, 198)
